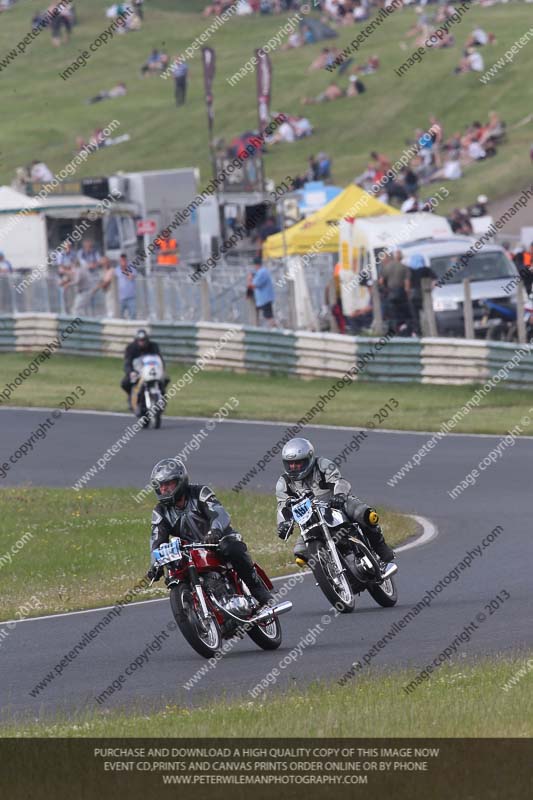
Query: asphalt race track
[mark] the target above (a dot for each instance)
(500, 497)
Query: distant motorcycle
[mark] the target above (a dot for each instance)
(498, 322)
(340, 556)
(147, 395)
(210, 602)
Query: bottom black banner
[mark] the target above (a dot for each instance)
(456, 769)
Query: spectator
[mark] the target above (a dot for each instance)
(479, 208)
(323, 166)
(478, 38)
(117, 91)
(394, 283)
(40, 172)
(156, 62)
(261, 284)
(332, 92)
(312, 170)
(325, 59)
(437, 136)
(268, 228)
(355, 86)
(180, 72)
(472, 61)
(61, 18)
(416, 273)
(5, 266)
(91, 259)
(89, 256)
(460, 223)
(65, 258)
(80, 280)
(410, 205)
(106, 286)
(382, 162)
(127, 290)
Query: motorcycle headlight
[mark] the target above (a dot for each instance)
(445, 304)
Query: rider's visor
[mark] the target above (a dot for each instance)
(167, 487)
(296, 466)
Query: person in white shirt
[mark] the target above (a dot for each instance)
(40, 172)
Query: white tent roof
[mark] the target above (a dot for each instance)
(12, 201)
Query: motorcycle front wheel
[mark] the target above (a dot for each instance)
(385, 594)
(334, 586)
(204, 636)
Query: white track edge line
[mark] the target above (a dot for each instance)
(266, 422)
(429, 532)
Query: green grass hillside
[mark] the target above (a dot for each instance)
(43, 114)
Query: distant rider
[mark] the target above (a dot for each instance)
(142, 345)
(305, 473)
(194, 514)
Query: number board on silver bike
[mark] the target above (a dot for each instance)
(302, 511)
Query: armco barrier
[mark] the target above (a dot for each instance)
(303, 354)
(8, 339)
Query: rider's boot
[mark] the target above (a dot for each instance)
(259, 590)
(378, 543)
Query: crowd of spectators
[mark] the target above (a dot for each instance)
(85, 277)
(437, 158)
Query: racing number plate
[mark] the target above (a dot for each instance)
(302, 511)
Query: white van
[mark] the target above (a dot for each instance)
(363, 242)
(492, 277)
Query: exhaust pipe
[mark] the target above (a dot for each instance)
(280, 608)
(390, 570)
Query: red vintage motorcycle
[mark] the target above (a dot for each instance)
(210, 602)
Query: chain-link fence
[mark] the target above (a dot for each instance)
(220, 296)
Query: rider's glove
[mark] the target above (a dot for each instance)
(154, 573)
(338, 501)
(213, 537)
(133, 376)
(285, 530)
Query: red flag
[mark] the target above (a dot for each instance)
(263, 71)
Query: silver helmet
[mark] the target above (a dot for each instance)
(172, 474)
(298, 457)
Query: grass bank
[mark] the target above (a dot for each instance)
(269, 397)
(92, 546)
(463, 700)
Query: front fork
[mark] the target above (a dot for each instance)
(333, 549)
(199, 590)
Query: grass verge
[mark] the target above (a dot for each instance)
(93, 546)
(459, 701)
(273, 397)
(162, 136)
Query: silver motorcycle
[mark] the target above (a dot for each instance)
(341, 557)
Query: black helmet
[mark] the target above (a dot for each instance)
(141, 336)
(298, 457)
(170, 469)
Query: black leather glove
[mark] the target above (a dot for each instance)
(338, 501)
(213, 537)
(154, 573)
(285, 530)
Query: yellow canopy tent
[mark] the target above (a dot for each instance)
(319, 233)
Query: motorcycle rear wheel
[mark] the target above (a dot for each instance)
(204, 637)
(342, 595)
